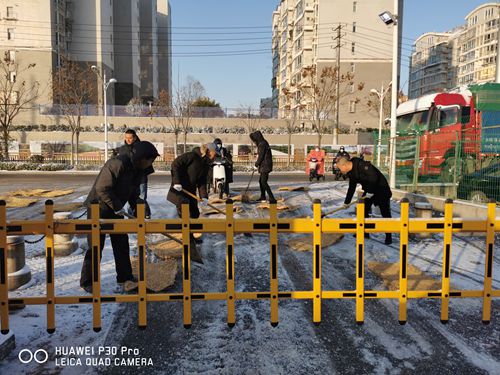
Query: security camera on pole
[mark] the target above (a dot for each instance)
(104, 94)
(392, 19)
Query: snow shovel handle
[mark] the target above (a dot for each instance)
(249, 182)
(199, 200)
(338, 209)
(165, 234)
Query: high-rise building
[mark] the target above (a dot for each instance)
(126, 42)
(477, 47)
(127, 39)
(36, 32)
(464, 55)
(306, 33)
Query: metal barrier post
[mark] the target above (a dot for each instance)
(49, 257)
(488, 262)
(231, 316)
(360, 249)
(186, 266)
(141, 245)
(96, 266)
(273, 240)
(318, 227)
(4, 280)
(403, 261)
(445, 288)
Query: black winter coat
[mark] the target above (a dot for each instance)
(265, 158)
(371, 180)
(128, 150)
(190, 170)
(117, 183)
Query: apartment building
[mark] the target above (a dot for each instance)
(129, 40)
(478, 45)
(305, 33)
(35, 31)
(431, 66)
(462, 56)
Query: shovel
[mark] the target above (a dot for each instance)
(195, 255)
(338, 209)
(199, 200)
(244, 197)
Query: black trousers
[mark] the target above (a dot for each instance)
(385, 209)
(121, 252)
(264, 186)
(194, 212)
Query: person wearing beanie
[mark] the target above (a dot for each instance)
(264, 165)
(118, 183)
(189, 172)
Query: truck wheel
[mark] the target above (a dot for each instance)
(477, 196)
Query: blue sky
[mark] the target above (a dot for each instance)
(221, 27)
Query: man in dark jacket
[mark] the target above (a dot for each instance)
(376, 190)
(131, 138)
(189, 172)
(117, 183)
(264, 165)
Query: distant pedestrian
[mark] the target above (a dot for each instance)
(376, 190)
(117, 183)
(131, 138)
(264, 165)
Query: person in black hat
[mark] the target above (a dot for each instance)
(117, 183)
(189, 172)
(131, 139)
(264, 165)
(376, 190)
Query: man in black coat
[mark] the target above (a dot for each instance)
(131, 138)
(189, 172)
(117, 183)
(376, 190)
(264, 165)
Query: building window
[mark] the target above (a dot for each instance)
(111, 38)
(354, 6)
(351, 88)
(111, 54)
(10, 13)
(353, 47)
(12, 77)
(352, 106)
(354, 27)
(10, 34)
(353, 67)
(10, 56)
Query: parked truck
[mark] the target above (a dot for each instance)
(445, 135)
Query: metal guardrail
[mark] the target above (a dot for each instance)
(230, 227)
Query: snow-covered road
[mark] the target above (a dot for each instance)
(296, 345)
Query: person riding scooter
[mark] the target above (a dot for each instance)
(223, 158)
(315, 164)
(336, 172)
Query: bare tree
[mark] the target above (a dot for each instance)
(318, 94)
(16, 94)
(184, 101)
(135, 107)
(73, 90)
(164, 108)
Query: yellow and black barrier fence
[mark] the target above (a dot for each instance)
(230, 226)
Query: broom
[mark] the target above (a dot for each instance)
(245, 198)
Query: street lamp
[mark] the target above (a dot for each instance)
(105, 85)
(381, 95)
(391, 19)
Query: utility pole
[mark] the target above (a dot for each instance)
(337, 90)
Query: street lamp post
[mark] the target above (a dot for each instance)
(381, 95)
(105, 85)
(392, 19)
